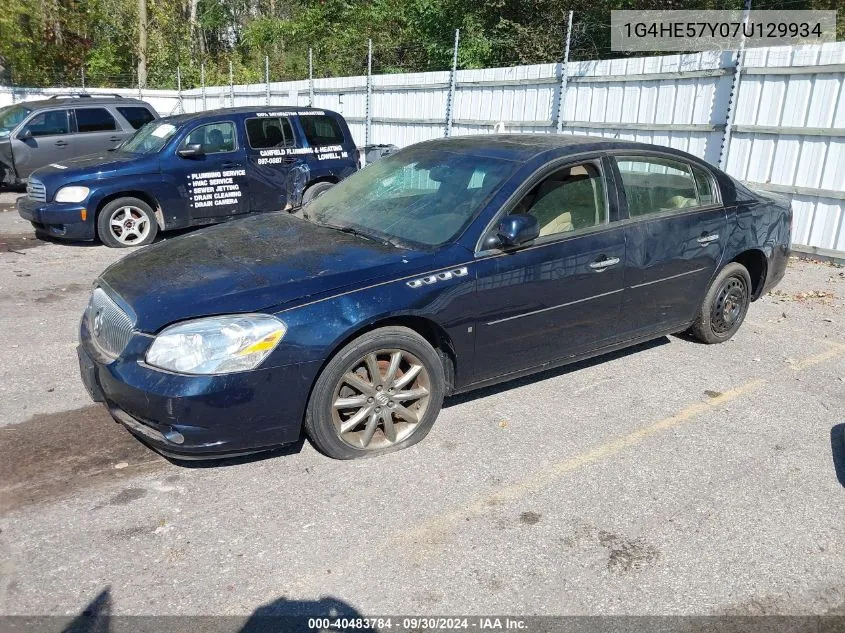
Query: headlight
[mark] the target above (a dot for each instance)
(72, 194)
(216, 345)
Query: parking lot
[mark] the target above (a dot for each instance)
(672, 478)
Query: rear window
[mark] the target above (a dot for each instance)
(94, 120)
(321, 130)
(137, 116)
(270, 132)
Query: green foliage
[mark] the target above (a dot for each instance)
(47, 42)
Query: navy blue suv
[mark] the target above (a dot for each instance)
(190, 170)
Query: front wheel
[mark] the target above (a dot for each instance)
(725, 306)
(315, 191)
(379, 394)
(126, 222)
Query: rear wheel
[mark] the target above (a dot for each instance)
(379, 394)
(126, 222)
(315, 190)
(725, 306)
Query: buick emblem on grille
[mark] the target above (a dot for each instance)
(98, 322)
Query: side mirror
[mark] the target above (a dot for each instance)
(191, 151)
(517, 229)
(23, 135)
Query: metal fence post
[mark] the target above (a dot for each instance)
(735, 82)
(564, 77)
(202, 83)
(231, 85)
(179, 89)
(310, 79)
(450, 99)
(267, 78)
(368, 118)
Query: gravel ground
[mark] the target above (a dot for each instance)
(673, 478)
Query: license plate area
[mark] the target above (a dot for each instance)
(88, 373)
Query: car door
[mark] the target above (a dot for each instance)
(271, 152)
(675, 237)
(559, 295)
(96, 130)
(215, 182)
(45, 138)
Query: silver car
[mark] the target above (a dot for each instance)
(38, 133)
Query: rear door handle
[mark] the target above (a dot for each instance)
(600, 264)
(704, 240)
(231, 165)
(61, 143)
(115, 139)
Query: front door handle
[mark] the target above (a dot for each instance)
(231, 165)
(115, 139)
(600, 264)
(61, 143)
(705, 239)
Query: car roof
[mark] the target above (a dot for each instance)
(81, 101)
(522, 147)
(195, 116)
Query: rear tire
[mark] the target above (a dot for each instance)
(125, 222)
(380, 393)
(315, 190)
(724, 307)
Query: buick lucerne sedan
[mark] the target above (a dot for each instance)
(449, 265)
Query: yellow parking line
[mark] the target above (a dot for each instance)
(429, 533)
(836, 349)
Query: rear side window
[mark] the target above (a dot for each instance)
(94, 120)
(48, 123)
(654, 185)
(137, 116)
(214, 137)
(321, 130)
(269, 132)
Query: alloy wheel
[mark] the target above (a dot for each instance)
(381, 399)
(129, 225)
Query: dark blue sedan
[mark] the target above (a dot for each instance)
(450, 265)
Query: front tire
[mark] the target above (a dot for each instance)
(380, 393)
(315, 190)
(126, 222)
(725, 306)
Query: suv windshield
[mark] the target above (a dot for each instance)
(418, 196)
(149, 139)
(10, 117)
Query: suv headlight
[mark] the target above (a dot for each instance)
(216, 345)
(72, 194)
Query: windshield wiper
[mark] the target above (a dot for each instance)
(358, 233)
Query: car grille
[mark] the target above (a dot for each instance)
(35, 190)
(110, 327)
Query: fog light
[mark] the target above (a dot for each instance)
(83, 214)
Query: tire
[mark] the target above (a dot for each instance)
(315, 190)
(125, 222)
(724, 307)
(371, 420)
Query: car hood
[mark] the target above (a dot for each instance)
(99, 165)
(256, 263)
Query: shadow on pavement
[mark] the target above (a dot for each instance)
(837, 448)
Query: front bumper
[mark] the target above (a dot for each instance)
(198, 416)
(58, 219)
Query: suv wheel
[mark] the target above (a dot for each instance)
(725, 305)
(315, 190)
(379, 394)
(126, 222)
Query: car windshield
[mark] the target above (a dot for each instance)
(419, 196)
(149, 139)
(10, 117)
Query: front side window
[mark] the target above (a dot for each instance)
(150, 139)
(418, 196)
(94, 120)
(215, 138)
(50, 123)
(269, 132)
(321, 130)
(654, 185)
(570, 199)
(137, 116)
